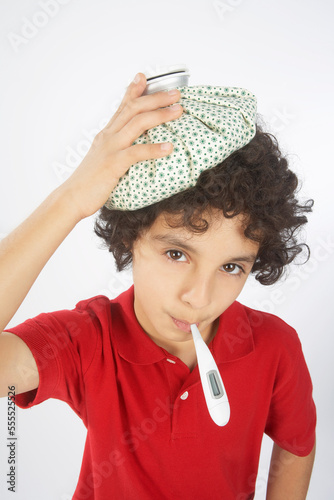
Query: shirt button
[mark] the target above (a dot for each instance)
(171, 361)
(184, 395)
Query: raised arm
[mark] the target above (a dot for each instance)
(24, 253)
(289, 475)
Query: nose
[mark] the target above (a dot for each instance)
(197, 291)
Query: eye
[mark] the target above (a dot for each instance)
(176, 255)
(233, 269)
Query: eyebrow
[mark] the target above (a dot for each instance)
(172, 240)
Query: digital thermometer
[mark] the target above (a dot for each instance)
(213, 387)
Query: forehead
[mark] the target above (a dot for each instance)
(216, 221)
(222, 232)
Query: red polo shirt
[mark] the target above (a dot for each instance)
(149, 433)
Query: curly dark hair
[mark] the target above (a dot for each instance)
(254, 181)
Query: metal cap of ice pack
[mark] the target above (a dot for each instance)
(167, 77)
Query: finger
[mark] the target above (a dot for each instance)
(141, 105)
(141, 152)
(135, 89)
(145, 121)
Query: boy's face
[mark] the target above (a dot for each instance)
(181, 277)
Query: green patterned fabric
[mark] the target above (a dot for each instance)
(216, 121)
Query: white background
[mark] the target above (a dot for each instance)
(64, 68)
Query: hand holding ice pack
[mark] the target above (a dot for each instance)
(216, 122)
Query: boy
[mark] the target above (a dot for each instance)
(127, 367)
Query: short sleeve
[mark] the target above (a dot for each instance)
(292, 415)
(63, 344)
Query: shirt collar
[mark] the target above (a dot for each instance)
(233, 340)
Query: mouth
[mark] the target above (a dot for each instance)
(183, 325)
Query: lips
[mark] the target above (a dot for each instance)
(183, 325)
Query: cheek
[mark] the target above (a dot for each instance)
(148, 276)
(228, 290)
(237, 284)
(150, 267)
